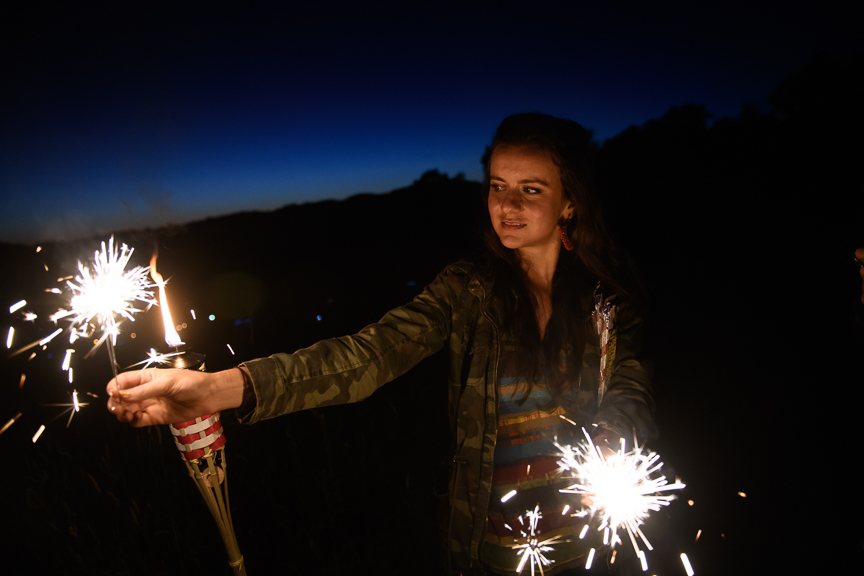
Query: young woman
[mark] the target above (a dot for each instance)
(522, 337)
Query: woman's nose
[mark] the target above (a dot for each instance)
(512, 200)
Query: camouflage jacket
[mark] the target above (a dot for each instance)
(454, 312)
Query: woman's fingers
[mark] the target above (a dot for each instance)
(141, 419)
(155, 396)
(162, 386)
(141, 398)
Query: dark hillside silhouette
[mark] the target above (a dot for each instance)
(742, 230)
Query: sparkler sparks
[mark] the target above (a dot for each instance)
(38, 433)
(10, 422)
(108, 290)
(17, 306)
(67, 359)
(534, 549)
(687, 566)
(50, 337)
(624, 487)
(71, 408)
(105, 290)
(154, 357)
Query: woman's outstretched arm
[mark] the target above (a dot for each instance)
(152, 396)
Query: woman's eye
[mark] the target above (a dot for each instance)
(496, 187)
(532, 190)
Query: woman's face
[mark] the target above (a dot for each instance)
(526, 199)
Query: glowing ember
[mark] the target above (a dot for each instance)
(623, 487)
(17, 306)
(50, 337)
(38, 433)
(230, 349)
(172, 338)
(507, 496)
(67, 358)
(534, 549)
(687, 566)
(566, 419)
(10, 422)
(590, 559)
(9, 337)
(643, 560)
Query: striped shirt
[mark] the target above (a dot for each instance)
(526, 461)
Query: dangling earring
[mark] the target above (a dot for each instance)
(562, 232)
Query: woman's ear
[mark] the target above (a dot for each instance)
(569, 211)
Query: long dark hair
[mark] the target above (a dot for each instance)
(577, 273)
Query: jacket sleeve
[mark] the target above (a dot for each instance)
(350, 368)
(627, 408)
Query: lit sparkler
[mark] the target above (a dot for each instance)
(624, 487)
(534, 548)
(106, 290)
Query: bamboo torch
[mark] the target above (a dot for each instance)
(202, 444)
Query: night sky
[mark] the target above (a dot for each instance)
(125, 118)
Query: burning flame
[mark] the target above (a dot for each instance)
(172, 338)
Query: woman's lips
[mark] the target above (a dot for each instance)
(512, 225)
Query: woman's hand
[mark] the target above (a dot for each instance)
(602, 443)
(152, 396)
